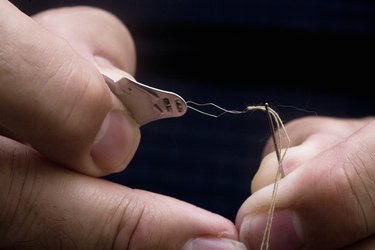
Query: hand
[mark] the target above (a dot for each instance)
(55, 102)
(326, 200)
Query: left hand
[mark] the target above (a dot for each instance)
(54, 98)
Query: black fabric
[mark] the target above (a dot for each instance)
(312, 57)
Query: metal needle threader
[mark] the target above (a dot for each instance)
(145, 103)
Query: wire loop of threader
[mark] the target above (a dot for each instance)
(223, 110)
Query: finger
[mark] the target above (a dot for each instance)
(310, 137)
(294, 157)
(94, 33)
(58, 102)
(47, 207)
(300, 129)
(325, 204)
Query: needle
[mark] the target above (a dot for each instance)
(272, 130)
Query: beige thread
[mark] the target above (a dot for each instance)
(274, 120)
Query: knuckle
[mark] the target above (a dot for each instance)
(129, 227)
(19, 195)
(141, 226)
(357, 182)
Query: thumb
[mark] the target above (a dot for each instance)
(57, 101)
(326, 203)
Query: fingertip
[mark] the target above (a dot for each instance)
(294, 158)
(213, 243)
(266, 172)
(92, 32)
(168, 223)
(285, 233)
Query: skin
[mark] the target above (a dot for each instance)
(57, 122)
(328, 188)
(56, 125)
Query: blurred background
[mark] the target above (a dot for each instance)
(310, 57)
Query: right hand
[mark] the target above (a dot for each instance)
(326, 200)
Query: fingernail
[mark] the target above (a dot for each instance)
(286, 231)
(213, 244)
(116, 142)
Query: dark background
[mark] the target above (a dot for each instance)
(310, 57)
